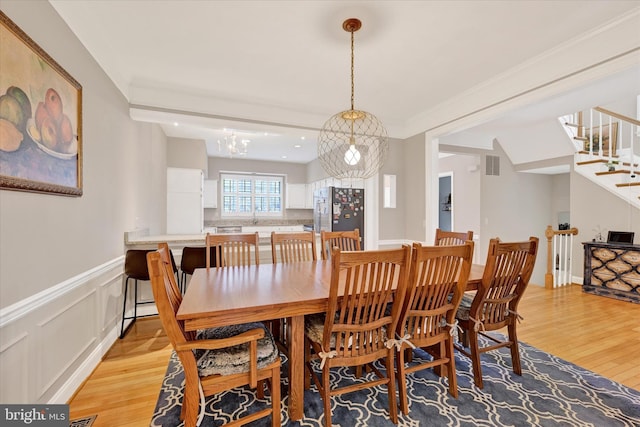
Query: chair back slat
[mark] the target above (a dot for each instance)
(233, 249)
(363, 283)
(293, 247)
(345, 240)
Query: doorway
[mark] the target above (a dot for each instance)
(445, 205)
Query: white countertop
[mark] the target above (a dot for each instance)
(169, 238)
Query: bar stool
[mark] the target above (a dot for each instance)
(135, 267)
(192, 258)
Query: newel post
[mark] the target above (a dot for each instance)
(548, 277)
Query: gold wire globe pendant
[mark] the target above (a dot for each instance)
(352, 143)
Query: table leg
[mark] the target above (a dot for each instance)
(296, 368)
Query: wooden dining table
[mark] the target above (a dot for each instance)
(232, 295)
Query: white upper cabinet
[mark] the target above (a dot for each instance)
(296, 196)
(210, 193)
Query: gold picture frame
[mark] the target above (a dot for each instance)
(608, 138)
(40, 118)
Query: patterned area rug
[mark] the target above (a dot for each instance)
(83, 422)
(551, 392)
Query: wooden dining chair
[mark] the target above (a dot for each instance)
(288, 248)
(215, 359)
(233, 249)
(345, 240)
(293, 247)
(448, 238)
(437, 280)
(495, 305)
(355, 330)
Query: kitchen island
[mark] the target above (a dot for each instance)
(141, 239)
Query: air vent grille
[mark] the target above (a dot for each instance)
(493, 165)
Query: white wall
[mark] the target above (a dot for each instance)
(61, 257)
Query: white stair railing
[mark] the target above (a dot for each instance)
(606, 143)
(559, 254)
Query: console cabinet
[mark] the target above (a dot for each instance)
(612, 270)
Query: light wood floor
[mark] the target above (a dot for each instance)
(600, 334)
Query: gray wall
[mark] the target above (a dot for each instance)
(593, 210)
(122, 162)
(61, 258)
(187, 153)
(391, 222)
(296, 173)
(560, 198)
(466, 190)
(514, 206)
(414, 177)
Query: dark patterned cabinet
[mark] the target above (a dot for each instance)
(612, 270)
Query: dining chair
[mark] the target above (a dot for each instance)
(233, 249)
(216, 359)
(345, 240)
(289, 248)
(506, 276)
(448, 238)
(293, 247)
(357, 330)
(437, 279)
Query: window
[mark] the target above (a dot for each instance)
(249, 195)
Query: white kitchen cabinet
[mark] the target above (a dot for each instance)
(210, 193)
(296, 196)
(308, 197)
(185, 212)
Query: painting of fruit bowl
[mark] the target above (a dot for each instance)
(40, 118)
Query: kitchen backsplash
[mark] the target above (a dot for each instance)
(292, 217)
(250, 222)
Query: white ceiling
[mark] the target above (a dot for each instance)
(282, 67)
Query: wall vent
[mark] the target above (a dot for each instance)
(493, 165)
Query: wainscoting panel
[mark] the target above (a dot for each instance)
(109, 309)
(14, 387)
(50, 342)
(66, 340)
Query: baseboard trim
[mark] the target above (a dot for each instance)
(77, 379)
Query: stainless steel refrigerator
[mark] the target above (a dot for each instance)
(339, 209)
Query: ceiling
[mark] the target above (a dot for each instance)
(274, 71)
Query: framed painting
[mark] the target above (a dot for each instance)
(608, 139)
(40, 118)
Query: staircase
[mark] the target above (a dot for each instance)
(609, 161)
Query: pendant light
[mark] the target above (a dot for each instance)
(352, 143)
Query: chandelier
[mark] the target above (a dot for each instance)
(232, 146)
(352, 143)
